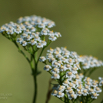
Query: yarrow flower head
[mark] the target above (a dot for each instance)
(33, 31)
(62, 63)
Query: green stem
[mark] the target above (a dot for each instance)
(36, 60)
(85, 72)
(21, 51)
(43, 50)
(35, 77)
(35, 84)
(91, 71)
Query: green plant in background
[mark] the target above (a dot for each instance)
(69, 69)
(32, 33)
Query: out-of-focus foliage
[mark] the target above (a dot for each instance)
(80, 23)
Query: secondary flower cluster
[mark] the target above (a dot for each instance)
(90, 62)
(77, 87)
(33, 30)
(62, 63)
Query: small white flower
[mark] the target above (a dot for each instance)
(72, 85)
(19, 40)
(69, 75)
(85, 92)
(28, 38)
(24, 43)
(51, 59)
(60, 94)
(44, 32)
(70, 61)
(68, 88)
(24, 35)
(55, 76)
(68, 67)
(39, 45)
(33, 42)
(47, 67)
(28, 25)
(55, 70)
(94, 83)
(18, 30)
(22, 27)
(55, 64)
(74, 70)
(80, 87)
(42, 59)
(62, 68)
(27, 31)
(41, 25)
(66, 82)
(97, 90)
(64, 60)
(51, 50)
(10, 31)
(37, 38)
(74, 55)
(100, 81)
(94, 95)
(33, 29)
(61, 88)
(52, 38)
(72, 96)
(91, 90)
(54, 93)
(57, 34)
(69, 91)
(44, 43)
(51, 24)
(79, 92)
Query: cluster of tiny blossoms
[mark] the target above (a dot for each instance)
(62, 63)
(33, 30)
(77, 88)
(90, 62)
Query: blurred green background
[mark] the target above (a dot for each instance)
(81, 25)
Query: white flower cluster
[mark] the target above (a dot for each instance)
(77, 87)
(61, 62)
(36, 21)
(63, 65)
(33, 30)
(11, 28)
(90, 62)
(100, 81)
